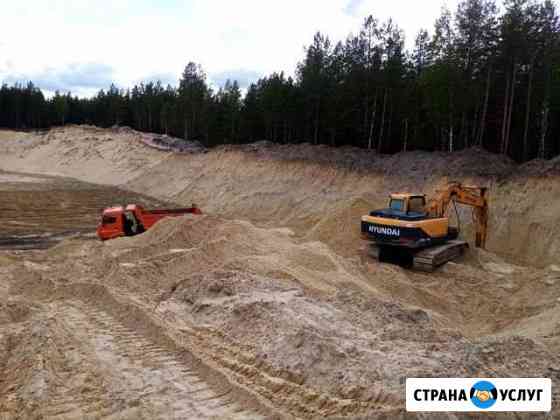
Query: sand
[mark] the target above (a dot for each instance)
(269, 300)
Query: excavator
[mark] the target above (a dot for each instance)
(416, 232)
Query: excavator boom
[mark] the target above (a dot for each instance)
(476, 197)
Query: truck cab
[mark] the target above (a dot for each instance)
(120, 221)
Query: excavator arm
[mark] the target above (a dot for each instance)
(471, 196)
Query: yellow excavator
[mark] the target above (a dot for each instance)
(416, 232)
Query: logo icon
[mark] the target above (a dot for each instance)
(484, 394)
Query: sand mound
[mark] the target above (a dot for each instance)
(82, 152)
(338, 229)
(254, 285)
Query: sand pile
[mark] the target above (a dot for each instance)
(98, 155)
(274, 309)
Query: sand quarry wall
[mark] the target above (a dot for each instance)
(317, 191)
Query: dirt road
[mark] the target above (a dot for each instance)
(88, 365)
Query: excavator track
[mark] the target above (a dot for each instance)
(432, 258)
(427, 260)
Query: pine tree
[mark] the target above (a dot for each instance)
(193, 94)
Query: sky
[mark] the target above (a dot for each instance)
(83, 45)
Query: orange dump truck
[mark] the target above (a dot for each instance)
(133, 219)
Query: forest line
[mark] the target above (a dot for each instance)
(477, 78)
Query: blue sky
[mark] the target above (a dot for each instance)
(83, 45)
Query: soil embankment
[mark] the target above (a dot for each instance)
(312, 189)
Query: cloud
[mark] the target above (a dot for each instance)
(166, 78)
(353, 6)
(76, 78)
(244, 77)
(137, 40)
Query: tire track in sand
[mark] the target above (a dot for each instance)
(144, 380)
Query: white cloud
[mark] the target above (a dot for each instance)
(140, 38)
(352, 6)
(243, 77)
(78, 78)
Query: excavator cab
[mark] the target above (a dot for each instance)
(407, 206)
(405, 223)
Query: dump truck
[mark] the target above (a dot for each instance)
(134, 219)
(416, 232)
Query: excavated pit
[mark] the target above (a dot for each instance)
(271, 291)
